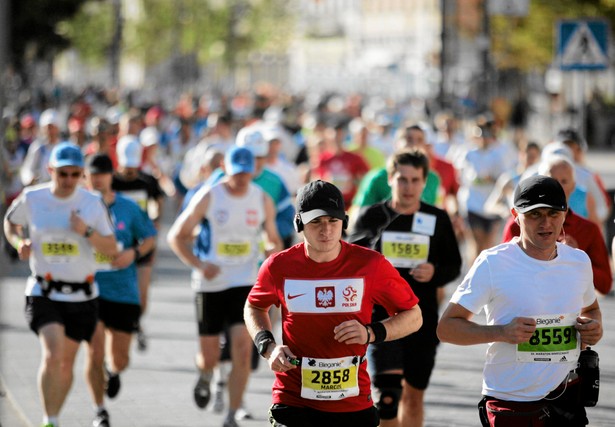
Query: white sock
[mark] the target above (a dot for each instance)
(51, 419)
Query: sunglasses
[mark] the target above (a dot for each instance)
(63, 174)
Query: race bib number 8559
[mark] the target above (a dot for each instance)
(554, 341)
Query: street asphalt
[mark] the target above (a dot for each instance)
(157, 387)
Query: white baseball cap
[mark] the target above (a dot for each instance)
(49, 117)
(252, 138)
(129, 151)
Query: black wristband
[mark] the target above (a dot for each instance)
(262, 341)
(369, 335)
(379, 330)
(137, 253)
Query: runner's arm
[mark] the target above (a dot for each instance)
(456, 327)
(181, 236)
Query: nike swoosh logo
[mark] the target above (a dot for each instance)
(541, 196)
(294, 296)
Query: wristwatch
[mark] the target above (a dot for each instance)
(88, 232)
(264, 345)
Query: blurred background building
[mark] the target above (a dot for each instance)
(463, 56)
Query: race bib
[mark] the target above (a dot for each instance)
(58, 250)
(103, 262)
(330, 379)
(405, 250)
(234, 252)
(554, 341)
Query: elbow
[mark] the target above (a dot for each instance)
(442, 331)
(171, 238)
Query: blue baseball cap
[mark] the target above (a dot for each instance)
(238, 160)
(66, 154)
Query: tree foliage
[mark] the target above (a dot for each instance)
(34, 28)
(211, 30)
(528, 43)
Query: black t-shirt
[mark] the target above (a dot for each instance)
(443, 248)
(141, 189)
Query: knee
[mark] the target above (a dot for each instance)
(388, 390)
(121, 361)
(412, 398)
(52, 360)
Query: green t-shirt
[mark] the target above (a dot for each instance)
(375, 188)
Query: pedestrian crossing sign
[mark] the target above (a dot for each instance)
(583, 44)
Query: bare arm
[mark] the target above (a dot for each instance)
(398, 326)
(129, 255)
(181, 236)
(456, 327)
(257, 320)
(106, 245)
(14, 233)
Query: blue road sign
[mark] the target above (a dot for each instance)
(583, 44)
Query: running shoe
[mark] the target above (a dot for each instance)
(141, 340)
(230, 422)
(113, 384)
(218, 406)
(243, 414)
(101, 419)
(201, 392)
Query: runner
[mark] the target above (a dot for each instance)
(236, 210)
(119, 306)
(61, 293)
(326, 289)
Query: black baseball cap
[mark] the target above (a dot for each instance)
(539, 191)
(320, 198)
(99, 163)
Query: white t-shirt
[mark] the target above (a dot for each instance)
(479, 170)
(507, 283)
(235, 234)
(56, 249)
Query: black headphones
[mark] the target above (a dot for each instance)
(299, 224)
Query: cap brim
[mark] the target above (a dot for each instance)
(64, 163)
(539, 205)
(97, 171)
(241, 169)
(315, 213)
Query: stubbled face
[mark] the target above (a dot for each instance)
(541, 227)
(322, 237)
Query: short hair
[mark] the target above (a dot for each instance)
(414, 157)
(573, 136)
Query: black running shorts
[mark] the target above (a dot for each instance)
(119, 316)
(291, 416)
(216, 310)
(79, 318)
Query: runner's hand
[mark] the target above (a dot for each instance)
(350, 332)
(278, 359)
(423, 272)
(24, 249)
(519, 330)
(210, 270)
(77, 224)
(590, 330)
